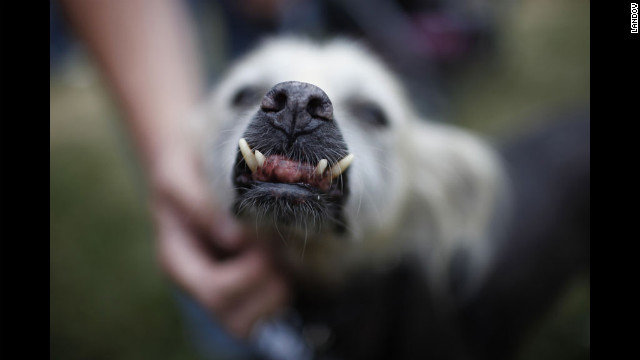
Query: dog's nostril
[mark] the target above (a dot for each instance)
(274, 101)
(296, 108)
(320, 108)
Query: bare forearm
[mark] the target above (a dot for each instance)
(147, 51)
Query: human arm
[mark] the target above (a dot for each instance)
(147, 53)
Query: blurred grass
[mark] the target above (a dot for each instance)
(564, 333)
(542, 62)
(108, 299)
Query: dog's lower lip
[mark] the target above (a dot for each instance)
(297, 190)
(247, 181)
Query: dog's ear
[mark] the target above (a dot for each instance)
(460, 180)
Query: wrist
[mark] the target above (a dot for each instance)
(165, 147)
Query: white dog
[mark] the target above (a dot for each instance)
(318, 144)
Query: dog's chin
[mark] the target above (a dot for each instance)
(311, 204)
(301, 207)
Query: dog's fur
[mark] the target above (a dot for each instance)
(415, 187)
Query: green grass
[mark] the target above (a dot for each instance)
(108, 299)
(564, 333)
(542, 62)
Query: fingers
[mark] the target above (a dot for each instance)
(239, 291)
(180, 256)
(263, 302)
(180, 183)
(219, 228)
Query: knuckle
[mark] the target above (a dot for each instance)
(217, 298)
(239, 328)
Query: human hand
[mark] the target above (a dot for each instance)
(240, 288)
(151, 64)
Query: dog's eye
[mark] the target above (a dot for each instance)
(370, 113)
(245, 96)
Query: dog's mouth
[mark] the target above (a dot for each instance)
(291, 167)
(279, 169)
(278, 188)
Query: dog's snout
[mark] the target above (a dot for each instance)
(296, 108)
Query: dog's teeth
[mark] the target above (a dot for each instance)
(248, 156)
(259, 158)
(322, 165)
(341, 166)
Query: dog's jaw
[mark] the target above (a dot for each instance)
(291, 165)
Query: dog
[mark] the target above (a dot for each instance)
(412, 184)
(317, 146)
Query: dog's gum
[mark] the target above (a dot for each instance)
(279, 169)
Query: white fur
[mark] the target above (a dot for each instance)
(415, 186)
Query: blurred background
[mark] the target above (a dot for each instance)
(496, 67)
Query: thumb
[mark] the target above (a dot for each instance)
(183, 187)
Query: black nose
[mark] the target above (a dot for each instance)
(297, 108)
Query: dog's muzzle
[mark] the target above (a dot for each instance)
(292, 161)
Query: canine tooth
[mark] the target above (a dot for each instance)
(248, 156)
(259, 158)
(322, 165)
(341, 166)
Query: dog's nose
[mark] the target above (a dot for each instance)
(297, 108)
